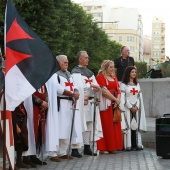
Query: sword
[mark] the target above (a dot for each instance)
(72, 125)
(43, 120)
(95, 102)
(127, 125)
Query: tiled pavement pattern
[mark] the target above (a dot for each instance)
(134, 160)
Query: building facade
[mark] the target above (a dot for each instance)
(123, 25)
(158, 41)
(147, 50)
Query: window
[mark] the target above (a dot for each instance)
(131, 48)
(111, 38)
(88, 8)
(156, 25)
(128, 38)
(156, 47)
(157, 33)
(156, 54)
(131, 39)
(120, 38)
(97, 15)
(156, 39)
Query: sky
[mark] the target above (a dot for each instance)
(148, 9)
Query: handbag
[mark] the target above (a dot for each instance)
(133, 124)
(117, 115)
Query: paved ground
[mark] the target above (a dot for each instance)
(134, 160)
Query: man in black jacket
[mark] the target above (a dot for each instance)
(123, 61)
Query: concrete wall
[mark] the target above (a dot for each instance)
(156, 96)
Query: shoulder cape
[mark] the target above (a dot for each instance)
(83, 71)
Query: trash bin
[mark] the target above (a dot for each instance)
(163, 136)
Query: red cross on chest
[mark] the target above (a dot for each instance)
(9, 117)
(69, 84)
(133, 91)
(88, 80)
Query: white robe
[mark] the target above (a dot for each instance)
(87, 111)
(131, 95)
(30, 125)
(52, 130)
(65, 114)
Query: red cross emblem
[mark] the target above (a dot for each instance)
(88, 80)
(69, 84)
(9, 117)
(133, 91)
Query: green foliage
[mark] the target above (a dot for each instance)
(2, 14)
(66, 28)
(165, 69)
(141, 69)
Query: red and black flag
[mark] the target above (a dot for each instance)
(29, 62)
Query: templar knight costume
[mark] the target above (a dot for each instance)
(83, 78)
(65, 84)
(132, 96)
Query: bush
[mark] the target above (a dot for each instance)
(141, 69)
(165, 69)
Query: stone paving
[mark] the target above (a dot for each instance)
(134, 160)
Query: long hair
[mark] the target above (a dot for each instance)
(126, 75)
(104, 66)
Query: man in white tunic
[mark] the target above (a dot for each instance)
(51, 130)
(86, 82)
(67, 95)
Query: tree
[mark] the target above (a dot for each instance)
(66, 28)
(141, 69)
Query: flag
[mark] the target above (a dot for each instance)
(29, 62)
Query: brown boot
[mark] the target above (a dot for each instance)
(19, 164)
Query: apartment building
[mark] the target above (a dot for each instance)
(158, 40)
(147, 41)
(123, 25)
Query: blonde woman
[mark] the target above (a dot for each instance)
(112, 136)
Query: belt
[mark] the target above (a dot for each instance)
(65, 98)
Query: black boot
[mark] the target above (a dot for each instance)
(36, 161)
(27, 160)
(75, 153)
(20, 164)
(88, 151)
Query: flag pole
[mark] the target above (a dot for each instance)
(4, 124)
(4, 133)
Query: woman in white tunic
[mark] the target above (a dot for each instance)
(132, 107)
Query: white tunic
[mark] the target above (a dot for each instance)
(131, 96)
(28, 104)
(66, 113)
(86, 112)
(52, 130)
